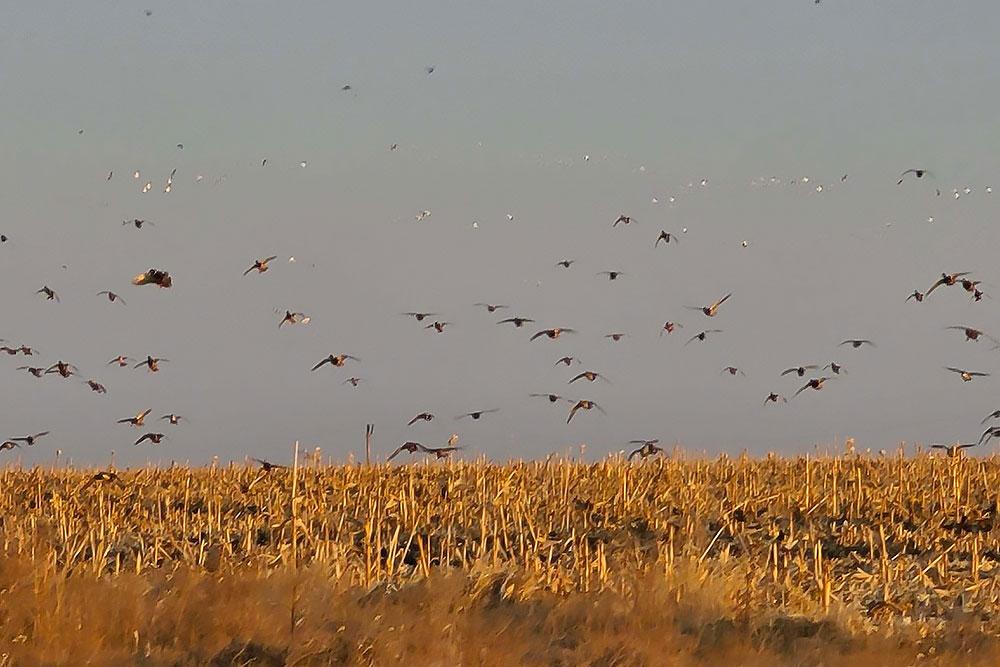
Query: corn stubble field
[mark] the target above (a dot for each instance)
(848, 559)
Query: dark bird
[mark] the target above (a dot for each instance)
(711, 310)
(30, 439)
(666, 237)
(441, 452)
(955, 450)
(835, 367)
(112, 297)
(438, 326)
(701, 336)
(9, 444)
(668, 327)
(518, 322)
(267, 466)
(974, 334)
(49, 293)
(815, 383)
(429, 69)
(97, 386)
(589, 376)
(583, 405)
(338, 360)
(615, 336)
(353, 381)
(917, 295)
(988, 434)
(26, 351)
(919, 173)
(567, 361)
(260, 265)
(138, 420)
(11, 351)
(173, 419)
(121, 360)
(623, 219)
(154, 438)
(774, 398)
(612, 275)
(946, 279)
(800, 370)
(409, 446)
(970, 285)
(423, 416)
(552, 397)
(977, 295)
(475, 416)
(137, 223)
(857, 342)
(491, 307)
(62, 368)
(993, 415)
(565, 263)
(293, 318)
(553, 333)
(37, 372)
(152, 363)
(646, 448)
(153, 277)
(967, 375)
(732, 370)
(101, 477)
(420, 316)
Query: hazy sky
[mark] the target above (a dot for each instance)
(659, 95)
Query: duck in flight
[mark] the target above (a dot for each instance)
(589, 376)
(799, 370)
(711, 309)
(646, 449)
(815, 383)
(966, 376)
(774, 398)
(155, 438)
(260, 265)
(857, 342)
(946, 279)
(919, 173)
(974, 334)
(50, 295)
(336, 360)
(553, 333)
(666, 237)
(477, 415)
(583, 405)
(423, 416)
(138, 420)
(112, 297)
(702, 336)
(623, 219)
(518, 322)
(953, 451)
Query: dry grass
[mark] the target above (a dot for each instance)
(835, 560)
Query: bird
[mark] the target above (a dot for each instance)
(774, 398)
(62, 368)
(438, 326)
(423, 416)
(121, 360)
(138, 420)
(815, 383)
(429, 69)
(800, 370)
(441, 452)
(518, 322)
(154, 438)
(11, 351)
(30, 439)
(836, 368)
(917, 295)
(566, 361)
(112, 297)
(668, 327)
(96, 386)
(553, 333)
(267, 466)
(970, 285)
(293, 318)
(152, 363)
(967, 376)
(490, 307)
(260, 265)
(732, 370)
(993, 415)
(9, 444)
(624, 219)
(153, 277)
(49, 293)
(666, 237)
(553, 398)
(102, 477)
(565, 263)
(26, 351)
(420, 316)
(955, 450)
(583, 405)
(475, 416)
(646, 449)
(37, 372)
(946, 279)
(409, 446)
(919, 173)
(974, 334)
(615, 336)
(701, 336)
(712, 309)
(137, 223)
(338, 360)
(173, 419)
(857, 342)
(589, 376)
(612, 275)
(988, 434)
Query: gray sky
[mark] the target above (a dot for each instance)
(659, 95)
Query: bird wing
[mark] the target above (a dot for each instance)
(572, 412)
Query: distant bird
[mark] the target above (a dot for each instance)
(835, 367)
(409, 446)
(553, 333)
(518, 322)
(267, 466)
(423, 416)
(615, 336)
(566, 263)
(612, 275)
(97, 386)
(151, 363)
(774, 398)
(967, 376)
(977, 295)
(102, 477)
(993, 415)
(970, 285)
(153, 277)
(11, 351)
(420, 317)
(437, 326)
(30, 439)
(26, 351)
(37, 372)
(917, 295)
(441, 452)
(9, 444)
(567, 361)
(974, 334)
(172, 418)
(62, 368)
(646, 449)
(490, 307)
(857, 342)
(429, 69)
(553, 398)
(336, 360)
(137, 223)
(701, 336)
(138, 420)
(946, 279)
(668, 327)
(955, 450)
(732, 370)
(623, 219)
(293, 318)
(477, 415)
(583, 405)
(112, 297)
(712, 309)
(346, 87)
(815, 383)
(988, 434)
(154, 438)
(919, 173)
(800, 370)
(121, 360)
(260, 265)
(49, 293)
(589, 376)
(666, 237)
(353, 381)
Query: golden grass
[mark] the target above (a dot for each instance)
(756, 561)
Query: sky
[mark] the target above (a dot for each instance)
(562, 115)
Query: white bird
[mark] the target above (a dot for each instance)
(147, 187)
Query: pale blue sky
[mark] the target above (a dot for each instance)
(659, 95)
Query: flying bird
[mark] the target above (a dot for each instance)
(173, 419)
(701, 336)
(49, 293)
(336, 360)
(583, 405)
(518, 322)
(37, 372)
(712, 309)
(419, 317)
(646, 449)
(955, 450)
(267, 466)
(815, 383)
(589, 376)
(293, 318)
(917, 295)
(553, 333)
(553, 398)
(967, 376)
(974, 334)
(438, 326)
(623, 219)
(409, 446)
(423, 416)
(112, 297)
(993, 415)
(353, 381)
(857, 342)
(30, 439)
(153, 277)
(774, 398)
(615, 336)
(121, 360)
(137, 223)
(62, 368)
(154, 438)
(151, 363)
(96, 386)
(475, 416)
(612, 275)
(732, 370)
(835, 367)
(138, 420)
(668, 327)
(666, 237)
(490, 307)
(566, 361)
(919, 173)
(260, 265)
(441, 452)
(946, 279)
(103, 477)
(565, 263)
(800, 370)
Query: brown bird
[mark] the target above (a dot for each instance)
(267, 466)
(774, 398)
(153, 277)
(919, 173)
(173, 419)
(9, 350)
(475, 416)
(25, 350)
(612, 275)
(518, 322)
(137, 223)
(62, 368)
(438, 326)
(49, 293)
(138, 420)
(565, 263)
(154, 438)
(409, 446)
(37, 372)
(552, 397)
(589, 376)
(102, 477)
(815, 383)
(615, 336)
(732, 370)
(553, 333)
(260, 265)
(646, 449)
(624, 219)
(583, 405)
(857, 342)
(293, 318)
(152, 363)
(567, 361)
(666, 237)
(711, 310)
(112, 297)
(977, 295)
(441, 452)
(30, 439)
(955, 450)
(423, 416)
(974, 334)
(970, 285)
(420, 316)
(800, 370)
(338, 360)
(490, 307)
(946, 279)
(96, 386)
(121, 360)
(353, 381)
(967, 375)
(9, 444)
(835, 367)
(668, 327)
(917, 295)
(701, 336)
